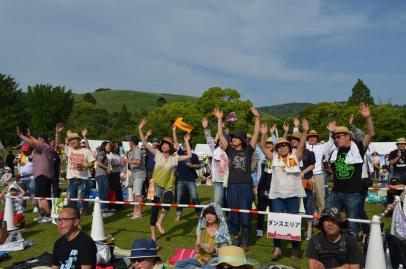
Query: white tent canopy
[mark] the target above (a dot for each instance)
(203, 150)
(382, 148)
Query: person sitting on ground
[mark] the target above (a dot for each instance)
(18, 203)
(144, 255)
(74, 249)
(212, 233)
(233, 257)
(332, 248)
(6, 177)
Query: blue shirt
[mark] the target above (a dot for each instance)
(184, 172)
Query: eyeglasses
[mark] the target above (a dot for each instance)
(61, 220)
(338, 136)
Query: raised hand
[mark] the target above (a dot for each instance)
(305, 125)
(286, 127)
(18, 131)
(331, 126)
(59, 127)
(85, 132)
(264, 128)
(273, 128)
(364, 110)
(186, 137)
(141, 125)
(149, 133)
(218, 113)
(351, 119)
(255, 112)
(205, 123)
(296, 122)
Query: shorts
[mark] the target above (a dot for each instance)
(43, 186)
(138, 182)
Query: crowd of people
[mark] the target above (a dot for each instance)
(276, 172)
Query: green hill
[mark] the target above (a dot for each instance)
(284, 110)
(112, 100)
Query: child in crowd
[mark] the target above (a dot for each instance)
(15, 190)
(6, 177)
(212, 233)
(384, 176)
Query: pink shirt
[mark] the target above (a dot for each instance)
(43, 161)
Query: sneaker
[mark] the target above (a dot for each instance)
(308, 235)
(45, 220)
(260, 233)
(135, 217)
(36, 209)
(107, 214)
(38, 218)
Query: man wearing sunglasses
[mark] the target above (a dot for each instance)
(347, 160)
(74, 249)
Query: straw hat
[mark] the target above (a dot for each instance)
(269, 140)
(282, 140)
(234, 256)
(313, 133)
(401, 140)
(74, 136)
(342, 130)
(295, 135)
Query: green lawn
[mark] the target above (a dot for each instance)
(181, 234)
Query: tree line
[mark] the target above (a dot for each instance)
(41, 106)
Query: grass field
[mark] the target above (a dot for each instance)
(181, 234)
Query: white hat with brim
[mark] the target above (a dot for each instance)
(234, 256)
(401, 140)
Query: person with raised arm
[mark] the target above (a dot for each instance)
(240, 184)
(163, 177)
(286, 187)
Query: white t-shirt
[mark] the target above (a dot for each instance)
(76, 159)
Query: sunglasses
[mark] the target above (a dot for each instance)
(61, 220)
(138, 260)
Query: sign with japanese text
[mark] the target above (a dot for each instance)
(284, 226)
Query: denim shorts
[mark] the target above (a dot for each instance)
(138, 182)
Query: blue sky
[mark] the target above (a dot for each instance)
(271, 51)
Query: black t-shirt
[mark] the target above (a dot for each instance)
(184, 172)
(308, 159)
(73, 254)
(347, 177)
(239, 163)
(345, 251)
(400, 166)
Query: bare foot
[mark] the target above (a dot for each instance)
(177, 219)
(160, 228)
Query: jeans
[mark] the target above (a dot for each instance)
(362, 214)
(181, 188)
(288, 205)
(219, 193)
(102, 185)
(239, 196)
(78, 188)
(308, 202)
(351, 203)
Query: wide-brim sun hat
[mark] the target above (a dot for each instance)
(401, 140)
(282, 140)
(144, 248)
(269, 140)
(240, 135)
(313, 133)
(234, 256)
(295, 135)
(74, 136)
(342, 130)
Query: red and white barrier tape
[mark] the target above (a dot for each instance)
(378, 188)
(235, 210)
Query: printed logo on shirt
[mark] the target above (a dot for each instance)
(76, 161)
(69, 263)
(343, 170)
(240, 162)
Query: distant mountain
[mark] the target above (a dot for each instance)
(284, 110)
(113, 100)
